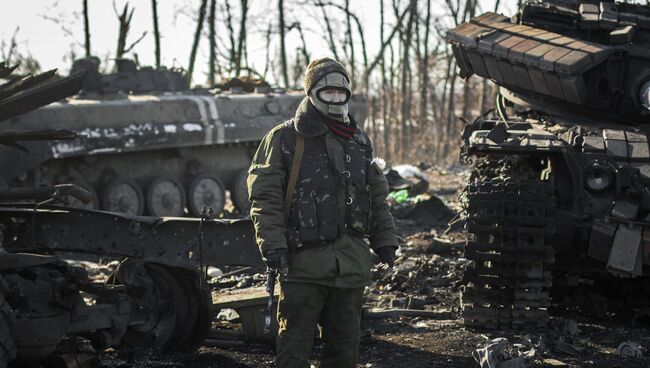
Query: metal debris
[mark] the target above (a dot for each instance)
(630, 350)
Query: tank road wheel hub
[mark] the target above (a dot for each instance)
(206, 191)
(124, 196)
(168, 311)
(166, 197)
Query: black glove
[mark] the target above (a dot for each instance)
(276, 259)
(386, 255)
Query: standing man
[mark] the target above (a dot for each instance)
(317, 195)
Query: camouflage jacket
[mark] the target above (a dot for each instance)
(342, 260)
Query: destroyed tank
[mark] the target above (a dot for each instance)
(147, 144)
(558, 204)
(52, 312)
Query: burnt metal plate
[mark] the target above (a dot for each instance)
(600, 241)
(616, 148)
(626, 250)
(593, 144)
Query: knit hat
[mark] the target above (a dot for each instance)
(319, 67)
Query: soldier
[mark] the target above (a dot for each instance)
(317, 195)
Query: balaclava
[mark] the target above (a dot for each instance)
(324, 74)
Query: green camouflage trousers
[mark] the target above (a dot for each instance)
(302, 306)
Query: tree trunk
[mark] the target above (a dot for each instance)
(406, 103)
(242, 36)
(86, 28)
(213, 44)
(197, 37)
(156, 31)
(125, 25)
(425, 67)
(384, 87)
(303, 49)
(283, 50)
(231, 36)
(348, 22)
(267, 59)
(330, 33)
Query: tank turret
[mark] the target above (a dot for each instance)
(566, 58)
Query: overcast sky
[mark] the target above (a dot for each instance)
(51, 42)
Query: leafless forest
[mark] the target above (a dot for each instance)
(417, 103)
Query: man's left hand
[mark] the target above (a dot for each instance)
(386, 255)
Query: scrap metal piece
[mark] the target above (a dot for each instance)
(625, 210)
(625, 256)
(600, 241)
(629, 350)
(489, 356)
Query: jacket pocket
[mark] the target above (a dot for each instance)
(359, 211)
(328, 228)
(307, 217)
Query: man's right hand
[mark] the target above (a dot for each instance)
(276, 259)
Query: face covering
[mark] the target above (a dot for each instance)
(331, 95)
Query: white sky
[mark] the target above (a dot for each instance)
(51, 43)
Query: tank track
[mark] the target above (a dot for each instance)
(511, 220)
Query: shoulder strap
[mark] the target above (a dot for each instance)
(293, 174)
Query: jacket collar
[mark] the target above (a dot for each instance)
(309, 123)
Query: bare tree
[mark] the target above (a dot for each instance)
(350, 41)
(197, 37)
(267, 59)
(212, 61)
(242, 36)
(351, 16)
(406, 104)
(424, 85)
(384, 86)
(231, 33)
(86, 28)
(156, 31)
(124, 20)
(283, 50)
(330, 33)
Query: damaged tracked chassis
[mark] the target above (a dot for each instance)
(51, 309)
(558, 205)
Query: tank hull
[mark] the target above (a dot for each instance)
(144, 138)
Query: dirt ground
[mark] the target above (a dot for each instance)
(428, 276)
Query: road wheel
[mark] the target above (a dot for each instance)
(166, 197)
(202, 297)
(7, 320)
(206, 191)
(239, 193)
(123, 196)
(168, 311)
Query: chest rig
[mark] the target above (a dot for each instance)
(329, 201)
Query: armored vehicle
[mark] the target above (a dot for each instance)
(557, 207)
(50, 308)
(147, 144)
